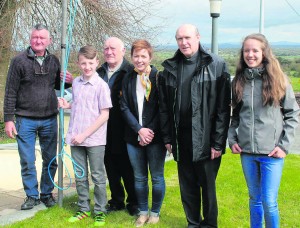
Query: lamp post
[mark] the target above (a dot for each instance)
(262, 16)
(215, 9)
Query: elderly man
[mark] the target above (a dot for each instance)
(31, 102)
(116, 158)
(194, 113)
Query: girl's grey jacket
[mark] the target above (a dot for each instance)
(259, 129)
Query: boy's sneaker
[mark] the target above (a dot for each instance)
(79, 216)
(100, 219)
(29, 203)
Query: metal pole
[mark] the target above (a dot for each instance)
(61, 112)
(214, 36)
(261, 18)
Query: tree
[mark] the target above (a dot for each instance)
(95, 20)
(7, 12)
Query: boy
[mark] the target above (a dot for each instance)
(87, 134)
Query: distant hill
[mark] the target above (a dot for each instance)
(273, 44)
(282, 44)
(285, 44)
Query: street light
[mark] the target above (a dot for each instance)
(215, 9)
(262, 17)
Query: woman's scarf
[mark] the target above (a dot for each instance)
(146, 83)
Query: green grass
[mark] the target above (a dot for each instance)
(295, 83)
(6, 140)
(232, 200)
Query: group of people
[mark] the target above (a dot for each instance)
(124, 117)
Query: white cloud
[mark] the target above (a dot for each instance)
(238, 19)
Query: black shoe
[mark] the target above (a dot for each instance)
(133, 210)
(49, 201)
(113, 207)
(29, 203)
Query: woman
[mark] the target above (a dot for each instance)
(265, 116)
(139, 105)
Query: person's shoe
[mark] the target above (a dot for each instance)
(133, 210)
(114, 207)
(79, 216)
(100, 219)
(142, 219)
(153, 220)
(29, 203)
(49, 201)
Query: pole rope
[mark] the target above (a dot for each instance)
(73, 11)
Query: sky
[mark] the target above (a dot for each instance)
(238, 18)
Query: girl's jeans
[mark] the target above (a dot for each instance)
(262, 174)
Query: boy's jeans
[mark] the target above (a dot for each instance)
(93, 156)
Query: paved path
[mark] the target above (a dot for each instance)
(12, 194)
(11, 200)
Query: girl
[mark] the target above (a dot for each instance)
(265, 116)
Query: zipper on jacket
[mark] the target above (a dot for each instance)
(174, 119)
(252, 112)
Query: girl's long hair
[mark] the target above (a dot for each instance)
(274, 79)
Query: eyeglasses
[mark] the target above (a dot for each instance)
(40, 68)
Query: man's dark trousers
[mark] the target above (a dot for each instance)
(197, 182)
(118, 167)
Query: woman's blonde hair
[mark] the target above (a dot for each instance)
(274, 79)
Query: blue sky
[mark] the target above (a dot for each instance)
(238, 19)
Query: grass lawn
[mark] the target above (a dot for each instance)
(295, 83)
(232, 199)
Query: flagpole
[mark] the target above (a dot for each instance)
(61, 112)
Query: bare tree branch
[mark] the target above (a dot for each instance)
(95, 20)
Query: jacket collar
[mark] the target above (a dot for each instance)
(171, 64)
(31, 54)
(251, 73)
(125, 66)
(93, 80)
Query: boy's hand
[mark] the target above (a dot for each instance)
(78, 139)
(62, 103)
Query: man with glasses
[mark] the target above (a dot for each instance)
(30, 111)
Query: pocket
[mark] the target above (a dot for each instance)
(18, 123)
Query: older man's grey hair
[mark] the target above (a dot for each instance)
(39, 27)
